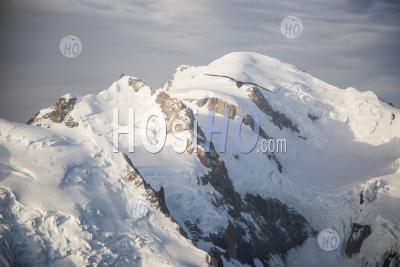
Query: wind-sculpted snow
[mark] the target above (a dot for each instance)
(68, 199)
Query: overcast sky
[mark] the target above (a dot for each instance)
(346, 43)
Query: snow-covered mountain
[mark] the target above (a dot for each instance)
(67, 199)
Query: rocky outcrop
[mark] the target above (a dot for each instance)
(272, 230)
(33, 119)
(278, 118)
(361, 197)
(161, 199)
(194, 231)
(70, 122)
(60, 112)
(218, 178)
(358, 234)
(218, 105)
(175, 110)
(215, 261)
(391, 259)
(312, 117)
(137, 84)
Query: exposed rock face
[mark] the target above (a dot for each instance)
(358, 234)
(61, 109)
(195, 232)
(175, 110)
(161, 198)
(312, 117)
(70, 122)
(391, 259)
(136, 84)
(278, 118)
(219, 106)
(60, 113)
(215, 261)
(218, 177)
(272, 229)
(361, 198)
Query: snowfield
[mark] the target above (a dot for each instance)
(68, 200)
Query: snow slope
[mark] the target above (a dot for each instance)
(67, 199)
(66, 203)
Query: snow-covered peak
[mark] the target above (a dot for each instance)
(251, 67)
(247, 68)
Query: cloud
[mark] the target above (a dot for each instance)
(102, 5)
